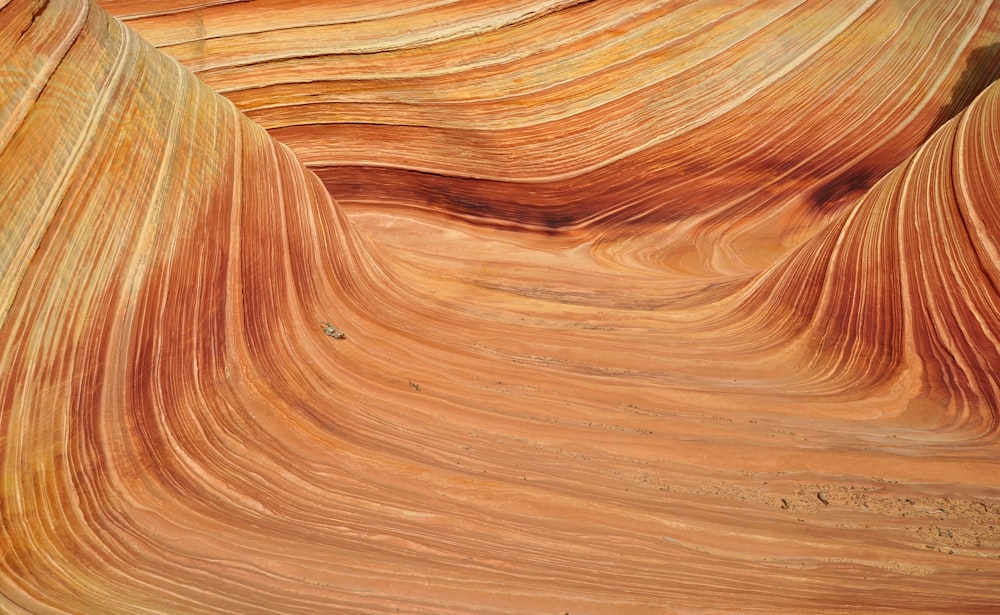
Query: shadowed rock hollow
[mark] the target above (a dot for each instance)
(646, 307)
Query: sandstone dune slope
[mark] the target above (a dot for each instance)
(646, 307)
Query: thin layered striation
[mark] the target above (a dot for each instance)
(615, 307)
(624, 116)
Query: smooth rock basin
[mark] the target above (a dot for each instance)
(608, 307)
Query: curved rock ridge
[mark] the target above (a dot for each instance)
(557, 115)
(722, 335)
(905, 286)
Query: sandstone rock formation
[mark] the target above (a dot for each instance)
(499, 307)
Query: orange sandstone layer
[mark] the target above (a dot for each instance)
(647, 308)
(560, 115)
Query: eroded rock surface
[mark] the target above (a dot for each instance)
(501, 307)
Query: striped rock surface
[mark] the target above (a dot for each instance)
(646, 307)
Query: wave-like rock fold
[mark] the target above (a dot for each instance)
(499, 307)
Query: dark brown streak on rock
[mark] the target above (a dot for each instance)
(485, 203)
(38, 11)
(982, 68)
(852, 183)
